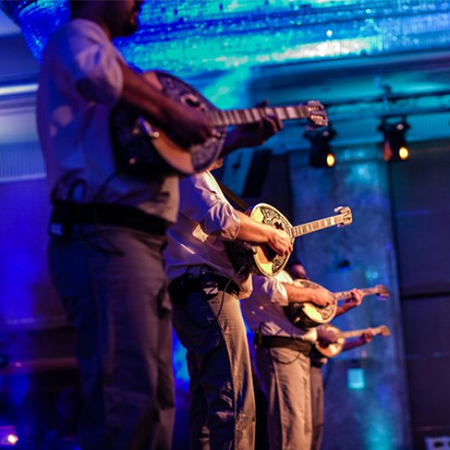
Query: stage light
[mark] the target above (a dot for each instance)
(321, 154)
(395, 147)
(8, 436)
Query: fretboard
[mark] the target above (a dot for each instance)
(347, 294)
(316, 225)
(221, 118)
(357, 333)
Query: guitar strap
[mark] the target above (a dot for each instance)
(236, 201)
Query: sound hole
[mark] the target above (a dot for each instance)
(193, 101)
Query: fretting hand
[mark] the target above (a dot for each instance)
(253, 134)
(355, 299)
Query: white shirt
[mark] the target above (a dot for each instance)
(205, 221)
(264, 309)
(80, 81)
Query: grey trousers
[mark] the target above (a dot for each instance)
(284, 375)
(317, 407)
(222, 411)
(114, 289)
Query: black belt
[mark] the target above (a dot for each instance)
(66, 214)
(286, 342)
(180, 287)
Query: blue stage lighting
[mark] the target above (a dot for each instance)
(198, 36)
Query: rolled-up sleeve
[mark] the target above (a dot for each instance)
(270, 290)
(201, 203)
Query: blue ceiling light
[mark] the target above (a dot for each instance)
(200, 35)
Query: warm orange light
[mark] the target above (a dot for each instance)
(331, 160)
(403, 153)
(12, 439)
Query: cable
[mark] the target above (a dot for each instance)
(211, 272)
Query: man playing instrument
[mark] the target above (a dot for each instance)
(282, 354)
(205, 291)
(109, 224)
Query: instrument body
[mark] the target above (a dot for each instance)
(146, 147)
(308, 314)
(260, 259)
(335, 348)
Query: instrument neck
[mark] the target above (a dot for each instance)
(229, 117)
(344, 295)
(316, 225)
(357, 333)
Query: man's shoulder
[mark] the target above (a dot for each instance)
(78, 29)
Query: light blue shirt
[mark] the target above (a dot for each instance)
(80, 82)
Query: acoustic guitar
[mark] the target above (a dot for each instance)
(141, 144)
(261, 259)
(308, 315)
(335, 348)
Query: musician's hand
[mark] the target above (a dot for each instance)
(192, 127)
(322, 297)
(254, 134)
(279, 241)
(368, 336)
(355, 299)
(257, 133)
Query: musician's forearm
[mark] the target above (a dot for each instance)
(151, 103)
(253, 231)
(299, 294)
(348, 345)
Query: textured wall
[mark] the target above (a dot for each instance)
(361, 255)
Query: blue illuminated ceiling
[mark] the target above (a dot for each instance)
(198, 36)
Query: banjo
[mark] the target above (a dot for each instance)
(335, 348)
(260, 259)
(146, 147)
(307, 314)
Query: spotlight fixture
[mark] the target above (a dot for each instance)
(321, 154)
(395, 147)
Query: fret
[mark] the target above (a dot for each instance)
(262, 112)
(300, 111)
(223, 118)
(248, 115)
(291, 113)
(281, 113)
(255, 114)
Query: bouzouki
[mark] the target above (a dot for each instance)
(335, 348)
(308, 315)
(140, 143)
(260, 259)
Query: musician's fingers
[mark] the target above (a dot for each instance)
(273, 122)
(262, 104)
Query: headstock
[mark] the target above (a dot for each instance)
(346, 214)
(318, 115)
(384, 330)
(382, 291)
